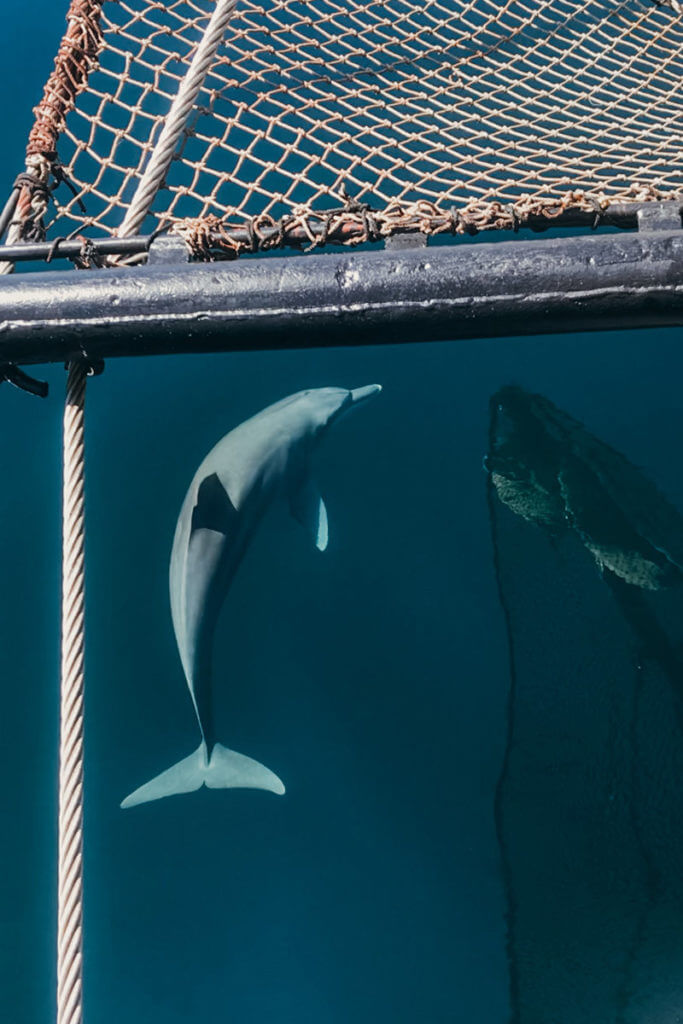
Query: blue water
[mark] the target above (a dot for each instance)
(374, 678)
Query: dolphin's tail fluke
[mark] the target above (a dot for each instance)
(225, 769)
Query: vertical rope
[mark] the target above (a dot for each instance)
(164, 150)
(70, 898)
(13, 236)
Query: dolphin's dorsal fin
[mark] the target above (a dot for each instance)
(213, 509)
(308, 507)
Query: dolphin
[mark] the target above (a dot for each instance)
(265, 458)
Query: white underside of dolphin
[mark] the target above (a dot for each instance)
(265, 458)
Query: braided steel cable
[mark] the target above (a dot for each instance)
(13, 237)
(174, 125)
(70, 895)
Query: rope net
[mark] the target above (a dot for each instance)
(348, 120)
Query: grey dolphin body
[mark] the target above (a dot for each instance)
(265, 458)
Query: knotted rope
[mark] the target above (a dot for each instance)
(70, 897)
(77, 57)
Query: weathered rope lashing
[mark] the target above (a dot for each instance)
(77, 57)
(70, 890)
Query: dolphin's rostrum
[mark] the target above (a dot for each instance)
(264, 458)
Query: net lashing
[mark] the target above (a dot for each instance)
(325, 121)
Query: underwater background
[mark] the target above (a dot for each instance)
(437, 691)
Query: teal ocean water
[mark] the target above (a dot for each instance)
(472, 697)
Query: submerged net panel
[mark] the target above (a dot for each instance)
(464, 113)
(589, 563)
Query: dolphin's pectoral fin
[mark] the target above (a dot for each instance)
(213, 510)
(308, 507)
(225, 769)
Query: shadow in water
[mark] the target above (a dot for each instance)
(589, 805)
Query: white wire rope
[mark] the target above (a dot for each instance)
(155, 172)
(13, 236)
(70, 868)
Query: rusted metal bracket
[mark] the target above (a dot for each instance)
(662, 216)
(406, 240)
(167, 249)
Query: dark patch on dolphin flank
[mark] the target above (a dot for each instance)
(213, 510)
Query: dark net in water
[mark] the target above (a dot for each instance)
(590, 572)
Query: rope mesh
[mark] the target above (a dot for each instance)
(500, 109)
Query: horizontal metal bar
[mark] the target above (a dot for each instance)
(350, 298)
(62, 248)
(622, 215)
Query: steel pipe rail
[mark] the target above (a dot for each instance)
(622, 215)
(70, 249)
(350, 298)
